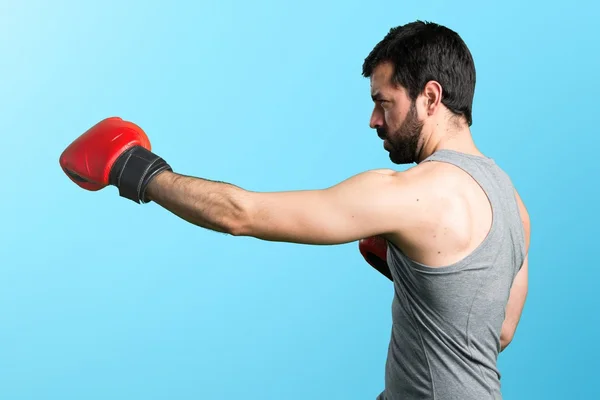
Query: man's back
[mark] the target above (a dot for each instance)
(452, 284)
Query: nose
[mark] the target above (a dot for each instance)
(376, 120)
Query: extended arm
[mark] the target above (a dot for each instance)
(367, 204)
(117, 152)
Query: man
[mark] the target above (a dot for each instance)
(451, 232)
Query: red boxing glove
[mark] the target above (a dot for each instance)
(113, 152)
(374, 251)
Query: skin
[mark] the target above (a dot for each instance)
(434, 212)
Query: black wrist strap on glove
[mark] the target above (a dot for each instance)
(133, 171)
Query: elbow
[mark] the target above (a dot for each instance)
(237, 227)
(239, 221)
(506, 338)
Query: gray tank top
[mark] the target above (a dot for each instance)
(446, 321)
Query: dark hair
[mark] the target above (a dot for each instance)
(424, 51)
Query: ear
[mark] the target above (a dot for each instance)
(432, 97)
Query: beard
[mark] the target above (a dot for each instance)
(403, 143)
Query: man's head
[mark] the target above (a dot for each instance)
(421, 74)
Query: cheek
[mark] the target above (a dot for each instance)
(392, 117)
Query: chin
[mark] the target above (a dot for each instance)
(401, 159)
(404, 151)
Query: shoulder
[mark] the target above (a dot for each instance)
(416, 197)
(447, 217)
(421, 195)
(424, 183)
(436, 194)
(432, 181)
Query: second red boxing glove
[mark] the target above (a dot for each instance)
(374, 251)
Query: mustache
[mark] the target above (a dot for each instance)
(381, 133)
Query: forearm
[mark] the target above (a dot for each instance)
(515, 305)
(212, 205)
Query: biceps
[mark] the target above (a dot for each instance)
(357, 208)
(311, 217)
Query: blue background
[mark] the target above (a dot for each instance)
(103, 299)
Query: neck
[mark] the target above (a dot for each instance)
(446, 136)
